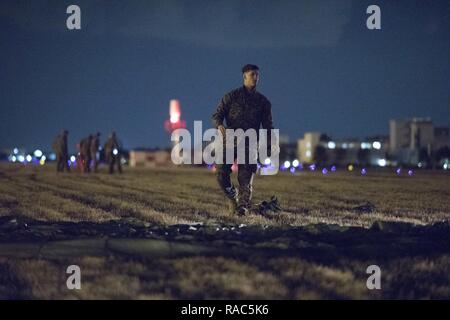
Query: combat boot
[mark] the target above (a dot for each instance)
(242, 211)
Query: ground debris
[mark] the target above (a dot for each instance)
(368, 207)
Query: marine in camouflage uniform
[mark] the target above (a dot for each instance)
(243, 108)
(60, 147)
(85, 152)
(113, 157)
(95, 143)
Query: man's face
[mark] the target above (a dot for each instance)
(251, 78)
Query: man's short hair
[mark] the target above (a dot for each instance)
(249, 67)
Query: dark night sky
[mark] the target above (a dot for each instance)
(321, 67)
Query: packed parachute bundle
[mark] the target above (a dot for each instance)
(268, 208)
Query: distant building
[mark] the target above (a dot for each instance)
(307, 145)
(149, 158)
(413, 141)
(317, 147)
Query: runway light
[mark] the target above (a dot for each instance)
(376, 145)
(366, 145)
(42, 162)
(29, 158)
(44, 158)
(38, 153)
(363, 171)
(382, 162)
(15, 151)
(287, 164)
(419, 165)
(333, 169)
(73, 159)
(324, 171)
(13, 159)
(115, 152)
(350, 167)
(398, 171)
(445, 166)
(312, 167)
(331, 145)
(292, 170)
(410, 172)
(21, 158)
(295, 163)
(267, 161)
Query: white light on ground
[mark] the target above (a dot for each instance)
(445, 166)
(287, 164)
(115, 152)
(38, 153)
(16, 151)
(382, 162)
(267, 161)
(72, 158)
(366, 145)
(21, 158)
(295, 163)
(43, 158)
(29, 158)
(13, 159)
(331, 145)
(376, 145)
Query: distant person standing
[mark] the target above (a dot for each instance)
(85, 153)
(112, 153)
(95, 144)
(60, 147)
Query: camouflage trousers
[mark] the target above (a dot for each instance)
(114, 161)
(61, 162)
(246, 173)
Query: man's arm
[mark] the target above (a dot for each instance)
(221, 111)
(267, 123)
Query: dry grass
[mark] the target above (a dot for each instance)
(171, 196)
(183, 195)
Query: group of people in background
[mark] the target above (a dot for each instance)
(88, 152)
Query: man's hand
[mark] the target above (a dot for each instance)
(221, 129)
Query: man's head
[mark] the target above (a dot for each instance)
(250, 74)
